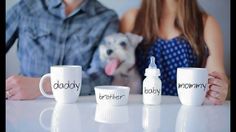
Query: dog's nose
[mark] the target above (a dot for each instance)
(109, 51)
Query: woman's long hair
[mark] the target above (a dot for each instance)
(189, 20)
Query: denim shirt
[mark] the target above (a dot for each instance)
(46, 37)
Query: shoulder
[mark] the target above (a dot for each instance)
(128, 20)
(130, 13)
(29, 6)
(210, 22)
(102, 10)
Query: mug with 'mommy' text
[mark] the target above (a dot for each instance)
(192, 85)
(65, 83)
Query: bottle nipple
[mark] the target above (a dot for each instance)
(152, 69)
(152, 62)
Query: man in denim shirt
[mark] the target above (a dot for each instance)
(57, 32)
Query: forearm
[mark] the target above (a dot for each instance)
(21, 87)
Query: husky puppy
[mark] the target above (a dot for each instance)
(118, 54)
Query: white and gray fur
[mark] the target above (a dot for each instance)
(123, 46)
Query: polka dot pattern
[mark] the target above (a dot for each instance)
(169, 55)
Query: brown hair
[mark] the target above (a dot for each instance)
(189, 20)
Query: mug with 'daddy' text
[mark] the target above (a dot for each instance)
(192, 85)
(65, 83)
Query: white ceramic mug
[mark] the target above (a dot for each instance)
(192, 85)
(65, 83)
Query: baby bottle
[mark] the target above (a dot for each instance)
(152, 84)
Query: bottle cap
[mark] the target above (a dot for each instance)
(152, 69)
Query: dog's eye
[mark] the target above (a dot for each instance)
(123, 44)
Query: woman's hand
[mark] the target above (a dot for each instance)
(20, 87)
(218, 87)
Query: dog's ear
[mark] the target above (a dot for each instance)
(134, 38)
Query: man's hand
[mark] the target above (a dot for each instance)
(20, 88)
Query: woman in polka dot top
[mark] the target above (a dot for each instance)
(178, 34)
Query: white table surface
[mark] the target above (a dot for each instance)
(86, 116)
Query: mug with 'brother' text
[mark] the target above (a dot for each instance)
(65, 83)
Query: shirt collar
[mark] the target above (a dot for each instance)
(54, 3)
(86, 6)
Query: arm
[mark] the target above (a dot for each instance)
(19, 87)
(95, 75)
(24, 88)
(128, 20)
(218, 81)
(12, 25)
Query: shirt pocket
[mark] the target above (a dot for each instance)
(40, 33)
(37, 32)
(36, 38)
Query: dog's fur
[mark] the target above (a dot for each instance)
(121, 48)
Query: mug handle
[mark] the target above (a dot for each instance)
(41, 86)
(40, 118)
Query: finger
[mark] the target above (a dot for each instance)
(221, 90)
(12, 92)
(8, 85)
(7, 94)
(216, 88)
(214, 94)
(216, 75)
(11, 82)
(214, 81)
(217, 95)
(214, 100)
(14, 97)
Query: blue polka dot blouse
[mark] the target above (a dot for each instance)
(169, 54)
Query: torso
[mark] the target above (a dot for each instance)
(169, 54)
(170, 50)
(47, 37)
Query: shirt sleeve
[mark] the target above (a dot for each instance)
(12, 25)
(95, 75)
